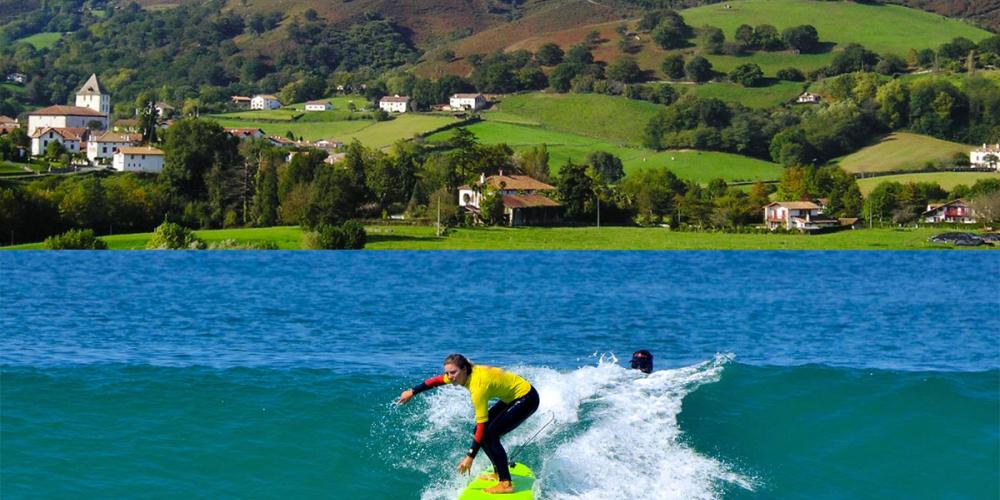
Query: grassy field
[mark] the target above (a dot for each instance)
(271, 115)
(901, 151)
(585, 238)
(699, 166)
(947, 180)
(775, 94)
(614, 119)
(7, 168)
(41, 40)
(370, 133)
(881, 28)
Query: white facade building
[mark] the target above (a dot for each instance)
(141, 159)
(64, 117)
(318, 106)
(104, 147)
(395, 104)
(92, 96)
(264, 101)
(955, 212)
(801, 215)
(470, 102)
(70, 138)
(978, 157)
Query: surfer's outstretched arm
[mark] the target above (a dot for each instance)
(421, 387)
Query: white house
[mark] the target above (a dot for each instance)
(523, 199)
(978, 157)
(138, 159)
(103, 148)
(955, 212)
(318, 106)
(801, 215)
(92, 96)
(471, 102)
(163, 109)
(64, 117)
(328, 144)
(18, 78)
(807, 98)
(264, 101)
(70, 138)
(395, 104)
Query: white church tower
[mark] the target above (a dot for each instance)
(91, 96)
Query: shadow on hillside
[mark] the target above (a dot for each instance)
(823, 48)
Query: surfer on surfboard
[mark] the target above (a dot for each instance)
(518, 401)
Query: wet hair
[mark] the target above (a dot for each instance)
(460, 361)
(642, 360)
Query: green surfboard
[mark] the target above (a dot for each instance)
(520, 474)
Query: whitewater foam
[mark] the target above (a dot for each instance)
(614, 434)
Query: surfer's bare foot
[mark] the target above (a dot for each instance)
(489, 476)
(501, 487)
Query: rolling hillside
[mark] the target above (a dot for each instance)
(901, 151)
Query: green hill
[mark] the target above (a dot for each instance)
(615, 119)
(879, 27)
(901, 151)
(368, 132)
(947, 180)
(698, 166)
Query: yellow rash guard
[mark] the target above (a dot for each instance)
(487, 382)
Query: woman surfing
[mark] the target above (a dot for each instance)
(518, 401)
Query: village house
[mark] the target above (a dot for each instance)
(328, 144)
(468, 102)
(92, 107)
(954, 212)
(395, 104)
(125, 125)
(987, 157)
(64, 117)
(241, 101)
(102, 149)
(264, 101)
(801, 215)
(163, 110)
(245, 133)
(318, 106)
(7, 124)
(523, 201)
(138, 159)
(807, 98)
(70, 138)
(18, 78)
(282, 142)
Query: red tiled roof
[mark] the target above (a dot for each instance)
(70, 133)
(118, 137)
(528, 201)
(517, 182)
(144, 150)
(797, 205)
(66, 110)
(395, 99)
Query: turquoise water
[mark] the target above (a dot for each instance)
(272, 374)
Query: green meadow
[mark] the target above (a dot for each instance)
(566, 238)
(41, 40)
(769, 96)
(947, 180)
(699, 166)
(879, 27)
(901, 151)
(615, 119)
(369, 132)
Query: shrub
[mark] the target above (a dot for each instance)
(171, 236)
(242, 245)
(350, 236)
(75, 239)
(791, 75)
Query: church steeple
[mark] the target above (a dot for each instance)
(92, 96)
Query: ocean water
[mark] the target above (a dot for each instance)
(273, 374)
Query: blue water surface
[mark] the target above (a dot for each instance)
(396, 311)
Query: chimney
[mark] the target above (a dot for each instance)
(501, 172)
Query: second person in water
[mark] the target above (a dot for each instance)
(518, 401)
